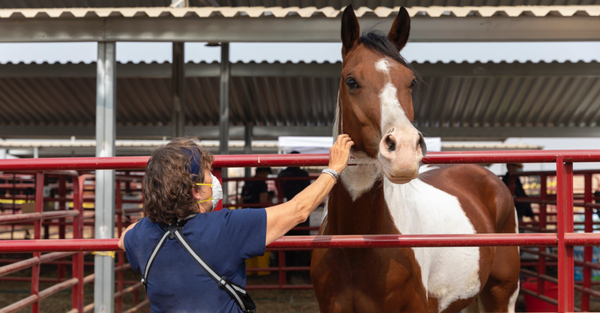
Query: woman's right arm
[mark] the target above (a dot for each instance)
(281, 218)
(121, 243)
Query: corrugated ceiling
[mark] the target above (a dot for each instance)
(463, 99)
(146, 101)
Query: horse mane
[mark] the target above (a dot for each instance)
(378, 42)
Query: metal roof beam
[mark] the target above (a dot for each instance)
(505, 132)
(294, 29)
(155, 70)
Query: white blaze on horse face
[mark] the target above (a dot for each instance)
(392, 114)
(448, 274)
(398, 153)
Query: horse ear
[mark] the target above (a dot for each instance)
(398, 35)
(350, 30)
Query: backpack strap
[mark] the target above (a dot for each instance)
(169, 233)
(151, 259)
(235, 291)
(222, 281)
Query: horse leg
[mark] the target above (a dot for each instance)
(475, 307)
(330, 277)
(502, 288)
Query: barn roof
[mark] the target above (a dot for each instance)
(294, 24)
(457, 100)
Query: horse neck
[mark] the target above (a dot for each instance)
(366, 214)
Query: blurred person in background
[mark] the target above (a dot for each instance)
(523, 209)
(290, 189)
(256, 192)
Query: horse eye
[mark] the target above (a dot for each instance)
(351, 83)
(413, 84)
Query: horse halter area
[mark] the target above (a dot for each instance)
(84, 203)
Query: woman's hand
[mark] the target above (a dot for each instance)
(281, 218)
(339, 153)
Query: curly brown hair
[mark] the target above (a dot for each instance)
(168, 181)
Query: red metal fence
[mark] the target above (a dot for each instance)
(546, 202)
(565, 238)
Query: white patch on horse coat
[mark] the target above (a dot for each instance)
(426, 168)
(360, 178)
(512, 302)
(383, 65)
(392, 114)
(448, 274)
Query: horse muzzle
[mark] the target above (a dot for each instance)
(400, 154)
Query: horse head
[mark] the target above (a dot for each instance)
(375, 98)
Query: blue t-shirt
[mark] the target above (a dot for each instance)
(176, 283)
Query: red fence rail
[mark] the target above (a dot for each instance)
(565, 238)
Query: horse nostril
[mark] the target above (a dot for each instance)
(390, 143)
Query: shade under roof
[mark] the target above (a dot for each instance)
(457, 100)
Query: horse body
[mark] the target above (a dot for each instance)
(442, 200)
(387, 192)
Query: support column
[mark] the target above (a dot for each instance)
(104, 266)
(588, 252)
(248, 147)
(564, 217)
(178, 90)
(224, 110)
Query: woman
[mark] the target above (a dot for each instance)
(178, 193)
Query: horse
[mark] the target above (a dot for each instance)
(389, 192)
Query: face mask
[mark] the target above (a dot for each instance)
(217, 192)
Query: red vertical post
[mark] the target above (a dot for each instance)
(566, 270)
(37, 231)
(77, 269)
(62, 193)
(119, 208)
(14, 208)
(542, 224)
(219, 175)
(588, 253)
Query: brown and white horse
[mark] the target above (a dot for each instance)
(390, 193)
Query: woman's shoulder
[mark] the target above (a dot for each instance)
(144, 226)
(227, 215)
